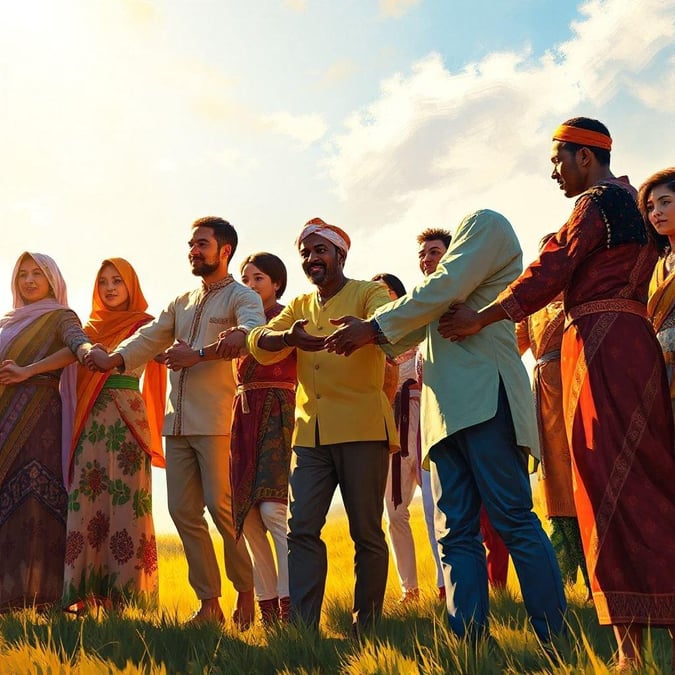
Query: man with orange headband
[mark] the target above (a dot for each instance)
(344, 427)
(615, 392)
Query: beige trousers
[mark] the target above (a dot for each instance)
(198, 475)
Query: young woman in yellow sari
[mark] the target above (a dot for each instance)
(38, 338)
(111, 552)
(657, 203)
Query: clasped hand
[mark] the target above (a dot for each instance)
(97, 359)
(354, 334)
(180, 355)
(231, 343)
(299, 338)
(458, 322)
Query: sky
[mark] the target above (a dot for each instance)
(123, 121)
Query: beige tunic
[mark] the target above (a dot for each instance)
(200, 400)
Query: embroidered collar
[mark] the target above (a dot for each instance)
(217, 285)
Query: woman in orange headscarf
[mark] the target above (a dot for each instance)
(111, 553)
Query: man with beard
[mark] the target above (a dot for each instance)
(198, 416)
(344, 427)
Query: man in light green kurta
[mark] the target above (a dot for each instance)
(478, 422)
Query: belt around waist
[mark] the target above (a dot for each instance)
(251, 386)
(553, 355)
(609, 305)
(121, 382)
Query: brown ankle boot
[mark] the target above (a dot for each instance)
(269, 611)
(285, 609)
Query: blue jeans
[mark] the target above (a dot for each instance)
(483, 464)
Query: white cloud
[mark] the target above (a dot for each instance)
(396, 8)
(436, 143)
(660, 93)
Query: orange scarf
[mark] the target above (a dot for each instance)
(109, 328)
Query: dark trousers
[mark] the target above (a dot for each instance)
(360, 469)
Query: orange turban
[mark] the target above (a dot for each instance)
(332, 233)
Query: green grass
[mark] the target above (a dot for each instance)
(409, 640)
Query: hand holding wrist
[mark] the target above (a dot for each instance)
(378, 337)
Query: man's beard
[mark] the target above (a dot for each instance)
(201, 268)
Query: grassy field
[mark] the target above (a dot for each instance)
(409, 640)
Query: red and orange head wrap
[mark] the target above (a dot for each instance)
(585, 137)
(334, 234)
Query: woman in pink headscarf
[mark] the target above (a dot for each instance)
(38, 338)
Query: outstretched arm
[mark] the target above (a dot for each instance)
(11, 373)
(296, 336)
(482, 259)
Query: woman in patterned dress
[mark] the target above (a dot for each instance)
(262, 426)
(38, 341)
(111, 552)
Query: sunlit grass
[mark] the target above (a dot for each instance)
(410, 639)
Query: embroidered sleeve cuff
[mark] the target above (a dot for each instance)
(511, 306)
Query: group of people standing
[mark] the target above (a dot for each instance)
(366, 384)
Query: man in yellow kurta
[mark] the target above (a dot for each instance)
(344, 427)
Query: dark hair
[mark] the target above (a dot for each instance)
(664, 177)
(271, 265)
(589, 124)
(223, 232)
(392, 282)
(432, 233)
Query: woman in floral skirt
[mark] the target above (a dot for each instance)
(111, 552)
